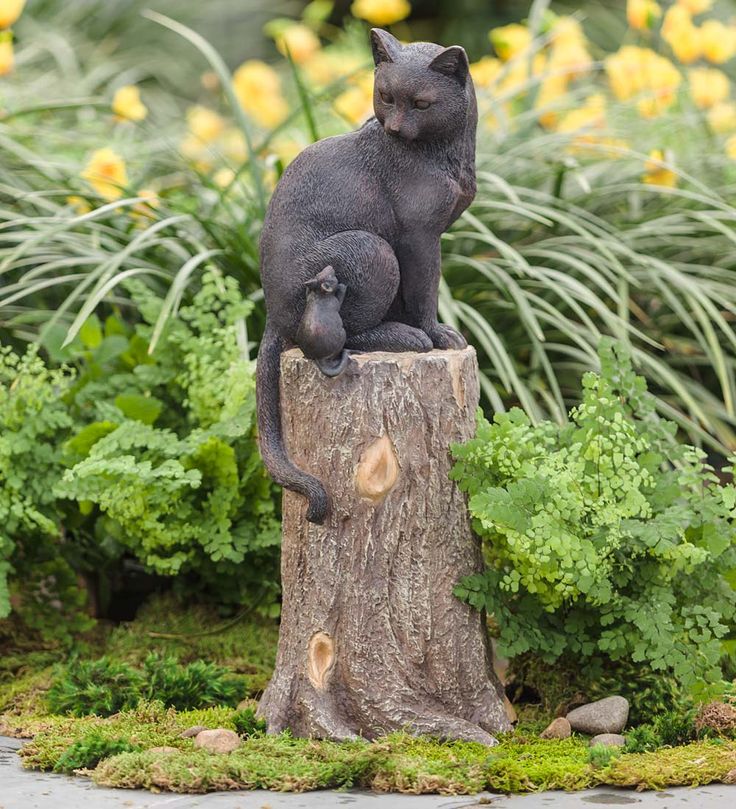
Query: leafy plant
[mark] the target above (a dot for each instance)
(247, 723)
(105, 686)
(605, 539)
(33, 424)
(196, 685)
(101, 687)
(90, 750)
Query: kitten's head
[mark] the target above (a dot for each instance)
(324, 283)
(421, 91)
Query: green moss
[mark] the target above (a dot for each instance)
(170, 628)
(396, 763)
(691, 765)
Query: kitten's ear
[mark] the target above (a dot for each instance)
(452, 61)
(385, 46)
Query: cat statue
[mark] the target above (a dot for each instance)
(371, 204)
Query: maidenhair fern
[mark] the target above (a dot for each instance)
(605, 539)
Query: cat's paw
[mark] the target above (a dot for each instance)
(444, 337)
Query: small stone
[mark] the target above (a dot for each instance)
(557, 729)
(218, 740)
(165, 749)
(244, 704)
(607, 715)
(194, 731)
(608, 740)
(730, 777)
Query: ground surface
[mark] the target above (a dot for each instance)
(26, 789)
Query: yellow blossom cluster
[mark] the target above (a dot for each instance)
(381, 12)
(712, 39)
(644, 76)
(10, 10)
(258, 88)
(127, 104)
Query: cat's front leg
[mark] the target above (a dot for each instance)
(420, 267)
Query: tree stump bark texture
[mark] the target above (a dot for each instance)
(372, 639)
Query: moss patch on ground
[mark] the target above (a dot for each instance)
(397, 763)
(164, 626)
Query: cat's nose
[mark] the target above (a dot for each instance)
(392, 128)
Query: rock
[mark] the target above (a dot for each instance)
(730, 777)
(607, 715)
(194, 731)
(218, 740)
(246, 703)
(608, 740)
(165, 749)
(557, 729)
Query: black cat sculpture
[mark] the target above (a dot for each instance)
(372, 205)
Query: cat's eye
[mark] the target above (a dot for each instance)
(421, 104)
(387, 98)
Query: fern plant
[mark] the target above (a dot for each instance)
(605, 539)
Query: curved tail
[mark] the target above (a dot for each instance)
(283, 471)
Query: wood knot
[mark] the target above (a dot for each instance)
(378, 470)
(320, 659)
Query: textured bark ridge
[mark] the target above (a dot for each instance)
(372, 638)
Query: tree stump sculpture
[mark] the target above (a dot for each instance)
(372, 638)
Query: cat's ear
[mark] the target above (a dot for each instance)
(452, 61)
(385, 46)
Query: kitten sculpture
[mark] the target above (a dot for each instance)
(321, 334)
(372, 205)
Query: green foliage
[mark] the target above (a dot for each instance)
(180, 483)
(89, 751)
(199, 684)
(605, 539)
(600, 756)
(670, 729)
(33, 422)
(104, 687)
(100, 687)
(247, 723)
(152, 456)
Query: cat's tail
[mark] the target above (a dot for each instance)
(273, 451)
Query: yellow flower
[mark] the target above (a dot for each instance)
(299, 41)
(718, 41)
(105, 172)
(127, 104)
(708, 86)
(681, 35)
(485, 71)
(205, 124)
(644, 76)
(192, 148)
(327, 66)
(381, 12)
(516, 79)
(7, 59)
(223, 177)
(642, 14)
(695, 6)
(731, 147)
(592, 115)
(551, 90)
(658, 174)
(258, 89)
(356, 103)
(10, 10)
(722, 117)
(510, 40)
